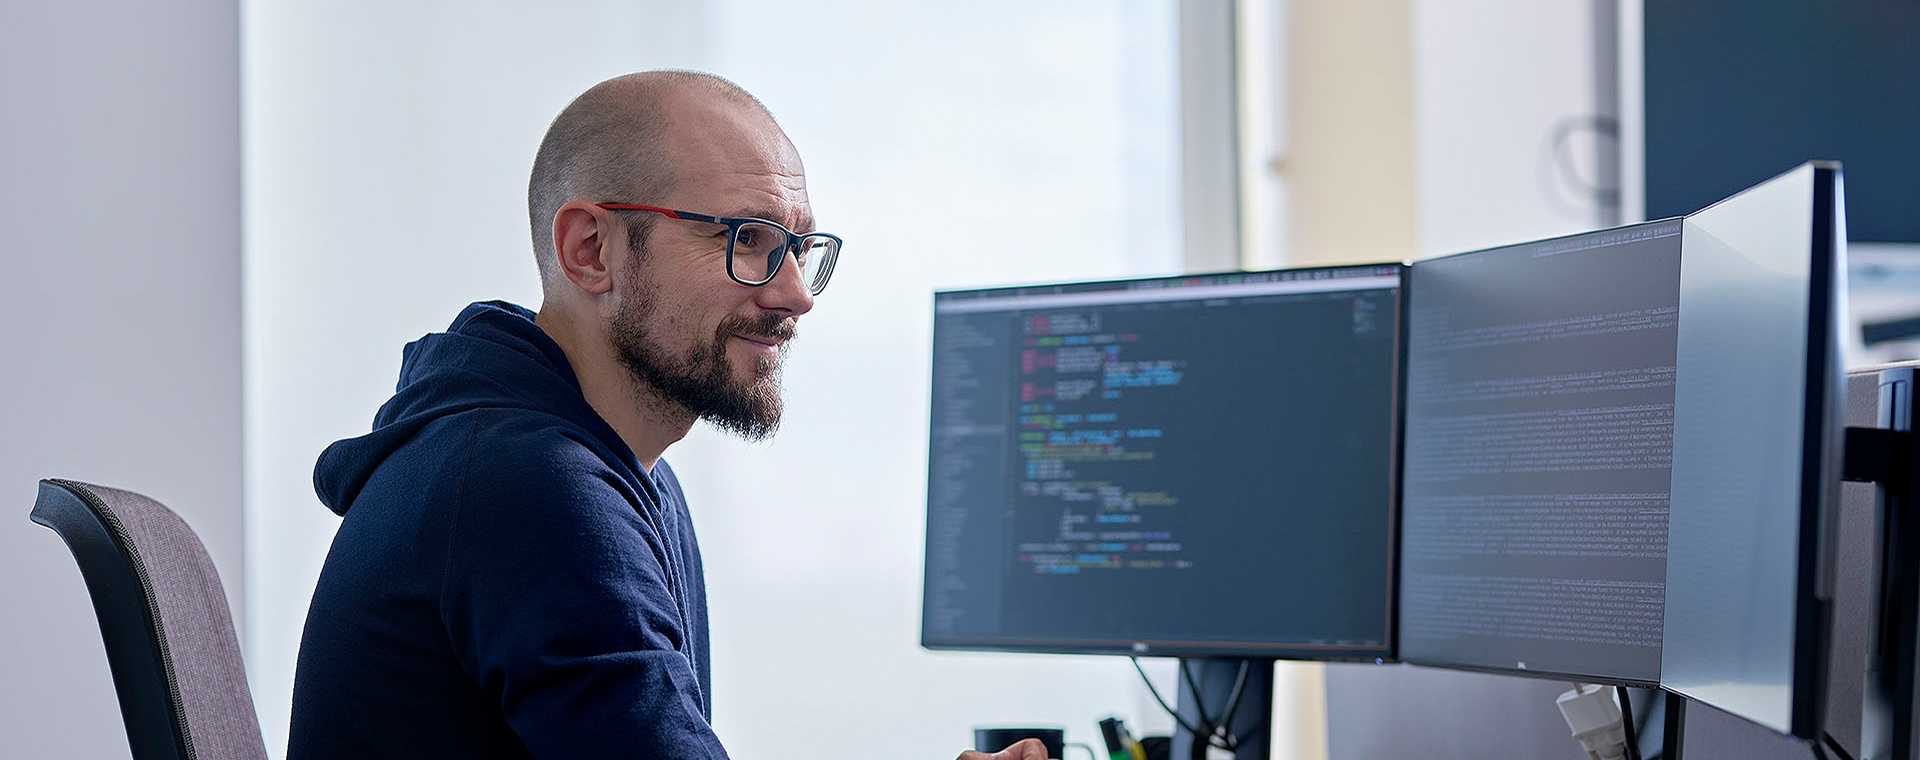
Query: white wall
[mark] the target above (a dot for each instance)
(1492, 78)
(1414, 128)
(119, 320)
(387, 150)
(1347, 143)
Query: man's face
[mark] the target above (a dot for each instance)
(680, 324)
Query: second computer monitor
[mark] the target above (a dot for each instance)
(1539, 435)
(1756, 451)
(1193, 466)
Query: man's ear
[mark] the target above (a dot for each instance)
(580, 243)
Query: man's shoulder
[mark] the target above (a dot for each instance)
(490, 459)
(501, 478)
(487, 440)
(537, 495)
(513, 452)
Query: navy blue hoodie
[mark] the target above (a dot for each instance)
(507, 581)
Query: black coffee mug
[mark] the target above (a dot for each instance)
(999, 738)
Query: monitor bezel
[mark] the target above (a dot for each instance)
(1821, 452)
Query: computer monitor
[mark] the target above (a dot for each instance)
(1539, 415)
(1759, 410)
(1191, 466)
(1622, 454)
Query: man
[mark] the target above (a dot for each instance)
(516, 573)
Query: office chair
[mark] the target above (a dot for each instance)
(163, 614)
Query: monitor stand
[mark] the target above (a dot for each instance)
(1251, 714)
(1889, 457)
(1673, 734)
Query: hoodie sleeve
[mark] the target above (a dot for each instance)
(556, 603)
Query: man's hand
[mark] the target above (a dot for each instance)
(1025, 749)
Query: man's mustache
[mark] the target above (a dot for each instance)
(771, 326)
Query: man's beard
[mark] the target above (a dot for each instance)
(701, 380)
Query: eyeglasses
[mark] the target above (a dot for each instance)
(756, 248)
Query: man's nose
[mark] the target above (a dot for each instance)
(788, 291)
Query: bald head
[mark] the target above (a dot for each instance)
(616, 141)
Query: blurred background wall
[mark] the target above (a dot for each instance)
(120, 311)
(1397, 129)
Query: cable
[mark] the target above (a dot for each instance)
(1233, 699)
(1225, 721)
(1255, 728)
(1157, 698)
(1626, 723)
(1835, 745)
(1233, 707)
(1194, 686)
(1175, 714)
(1595, 719)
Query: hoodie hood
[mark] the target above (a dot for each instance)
(493, 356)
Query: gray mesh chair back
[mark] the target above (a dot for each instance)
(163, 615)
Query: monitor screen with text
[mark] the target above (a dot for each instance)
(1189, 465)
(1539, 445)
